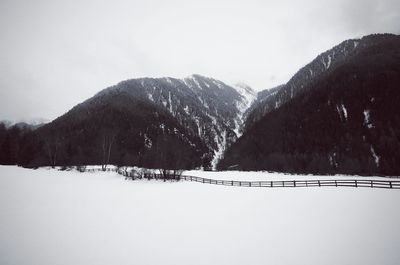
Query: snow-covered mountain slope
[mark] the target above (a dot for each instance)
(250, 97)
(208, 108)
(321, 66)
(345, 121)
(204, 113)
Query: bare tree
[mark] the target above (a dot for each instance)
(52, 146)
(170, 157)
(81, 168)
(107, 143)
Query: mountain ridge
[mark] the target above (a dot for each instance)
(317, 68)
(345, 121)
(203, 114)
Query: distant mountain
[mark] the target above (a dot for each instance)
(257, 108)
(338, 114)
(145, 121)
(27, 124)
(12, 138)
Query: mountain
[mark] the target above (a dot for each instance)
(13, 136)
(322, 65)
(338, 114)
(257, 108)
(146, 122)
(27, 124)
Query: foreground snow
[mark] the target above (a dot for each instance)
(55, 217)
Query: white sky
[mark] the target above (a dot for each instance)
(55, 54)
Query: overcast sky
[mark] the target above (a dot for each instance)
(55, 54)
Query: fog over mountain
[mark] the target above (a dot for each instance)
(55, 54)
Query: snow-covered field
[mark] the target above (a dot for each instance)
(55, 217)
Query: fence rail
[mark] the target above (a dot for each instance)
(356, 183)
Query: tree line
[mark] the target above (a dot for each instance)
(35, 148)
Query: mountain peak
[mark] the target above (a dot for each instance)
(244, 88)
(192, 76)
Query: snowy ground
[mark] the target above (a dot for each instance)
(53, 217)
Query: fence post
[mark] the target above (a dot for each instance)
(319, 183)
(390, 184)
(356, 184)
(336, 183)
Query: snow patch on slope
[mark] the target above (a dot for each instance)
(367, 119)
(196, 82)
(375, 156)
(218, 153)
(329, 62)
(342, 111)
(248, 97)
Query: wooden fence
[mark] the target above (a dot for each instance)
(356, 183)
(385, 184)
